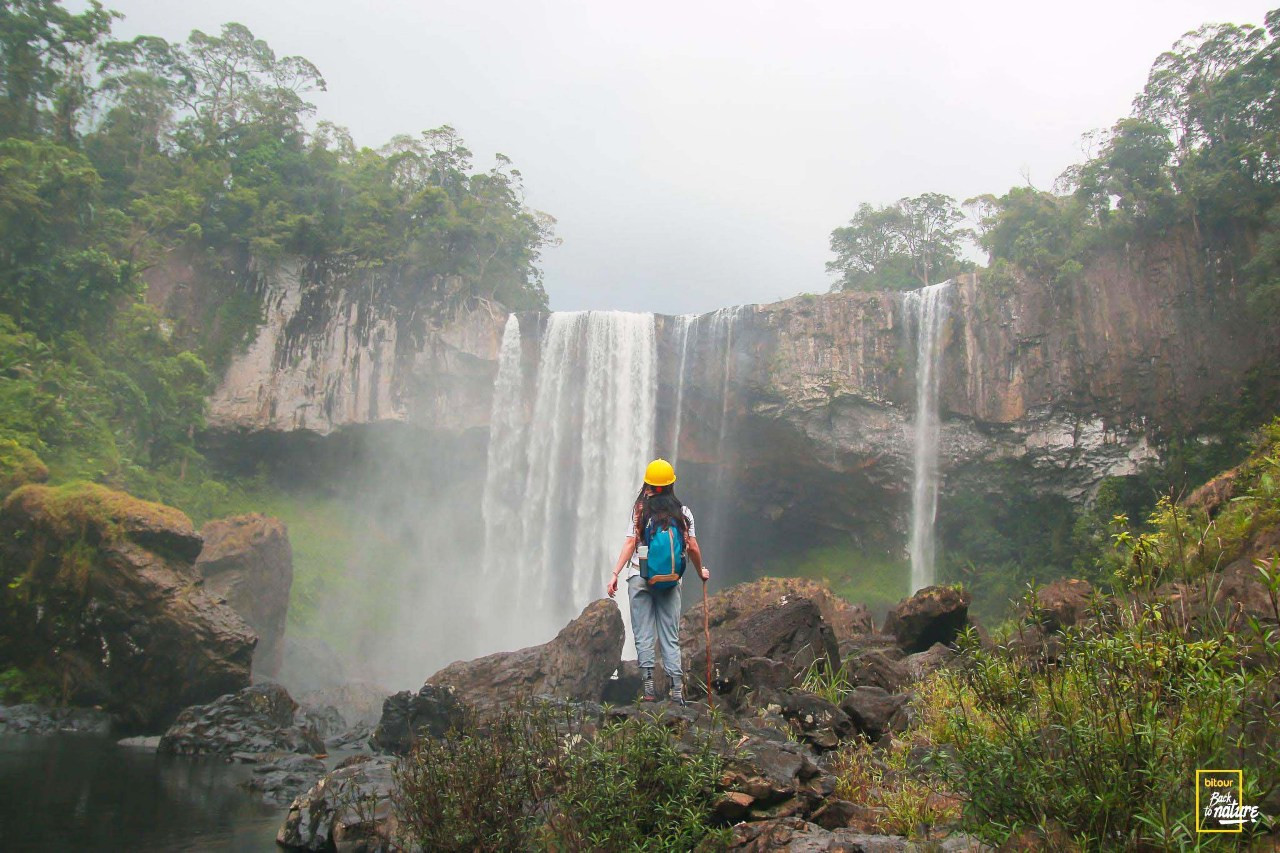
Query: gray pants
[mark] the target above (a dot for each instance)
(655, 611)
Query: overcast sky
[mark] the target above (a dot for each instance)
(698, 154)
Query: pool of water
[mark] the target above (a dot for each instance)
(78, 792)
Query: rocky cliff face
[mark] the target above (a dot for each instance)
(814, 395)
(338, 350)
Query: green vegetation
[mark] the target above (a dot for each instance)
(909, 244)
(869, 578)
(1094, 745)
(536, 778)
(116, 157)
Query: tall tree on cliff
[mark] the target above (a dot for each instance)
(911, 243)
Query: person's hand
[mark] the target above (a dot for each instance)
(706, 574)
(613, 586)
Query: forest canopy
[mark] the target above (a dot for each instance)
(114, 154)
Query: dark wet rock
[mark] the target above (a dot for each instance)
(575, 665)
(792, 834)
(935, 614)
(100, 595)
(260, 719)
(279, 777)
(625, 686)
(791, 634)
(326, 720)
(42, 720)
(407, 716)
(846, 620)
(840, 814)
(348, 809)
(1062, 603)
(874, 711)
(358, 737)
(881, 668)
(247, 562)
(771, 771)
(732, 806)
(931, 660)
(820, 723)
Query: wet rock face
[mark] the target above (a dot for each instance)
(247, 561)
(575, 665)
(935, 614)
(39, 720)
(769, 647)
(259, 719)
(348, 809)
(847, 621)
(406, 717)
(99, 593)
(344, 348)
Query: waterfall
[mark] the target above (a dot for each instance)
(684, 322)
(561, 481)
(927, 310)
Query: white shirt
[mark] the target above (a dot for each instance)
(633, 568)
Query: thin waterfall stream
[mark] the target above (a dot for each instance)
(927, 309)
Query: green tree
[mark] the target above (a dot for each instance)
(912, 243)
(45, 62)
(60, 267)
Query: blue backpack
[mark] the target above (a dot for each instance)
(664, 565)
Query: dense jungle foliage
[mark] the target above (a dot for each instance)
(115, 155)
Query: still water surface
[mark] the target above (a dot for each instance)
(77, 792)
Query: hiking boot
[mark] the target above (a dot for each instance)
(677, 691)
(649, 695)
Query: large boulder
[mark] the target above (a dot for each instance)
(406, 716)
(846, 620)
(247, 562)
(348, 809)
(260, 719)
(935, 614)
(99, 595)
(1062, 603)
(874, 711)
(575, 665)
(771, 647)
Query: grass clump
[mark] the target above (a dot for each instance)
(544, 777)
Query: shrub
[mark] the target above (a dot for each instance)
(1104, 746)
(483, 789)
(540, 776)
(636, 786)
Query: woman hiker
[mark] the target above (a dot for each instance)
(655, 609)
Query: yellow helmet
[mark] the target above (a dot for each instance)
(659, 473)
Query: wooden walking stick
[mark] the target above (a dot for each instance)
(706, 631)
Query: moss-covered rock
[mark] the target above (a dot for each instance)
(99, 595)
(18, 466)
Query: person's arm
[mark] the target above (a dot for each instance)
(696, 554)
(628, 548)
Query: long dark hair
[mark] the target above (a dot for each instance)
(662, 507)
